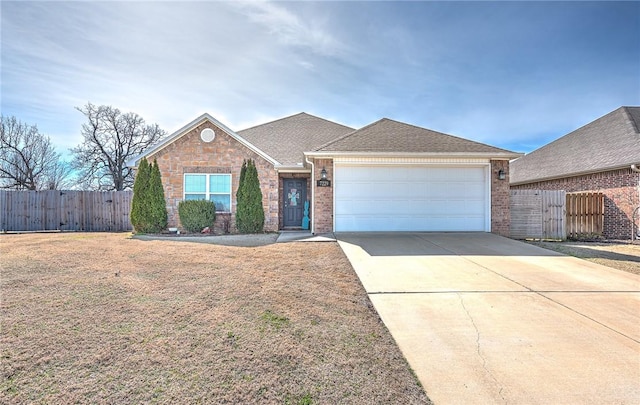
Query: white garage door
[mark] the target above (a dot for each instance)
(411, 198)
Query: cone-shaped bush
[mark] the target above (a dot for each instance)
(240, 213)
(148, 207)
(249, 213)
(157, 203)
(138, 204)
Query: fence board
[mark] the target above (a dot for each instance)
(66, 210)
(553, 214)
(526, 214)
(538, 214)
(585, 214)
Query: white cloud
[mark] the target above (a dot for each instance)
(290, 29)
(251, 62)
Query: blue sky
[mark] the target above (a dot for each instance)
(512, 74)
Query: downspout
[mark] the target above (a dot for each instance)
(636, 169)
(313, 196)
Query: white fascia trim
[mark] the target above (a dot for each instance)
(333, 197)
(292, 169)
(488, 198)
(410, 161)
(185, 129)
(492, 156)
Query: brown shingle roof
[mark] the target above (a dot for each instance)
(389, 136)
(610, 142)
(287, 138)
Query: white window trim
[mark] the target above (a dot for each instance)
(208, 192)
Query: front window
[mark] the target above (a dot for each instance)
(214, 187)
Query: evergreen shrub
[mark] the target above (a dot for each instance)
(195, 215)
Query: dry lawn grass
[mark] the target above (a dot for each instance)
(621, 256)
(102, 318)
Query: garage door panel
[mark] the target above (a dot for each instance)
(410, 198)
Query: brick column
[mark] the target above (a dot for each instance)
(323, 207)
(500, 196)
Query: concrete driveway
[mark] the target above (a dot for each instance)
(485, 319)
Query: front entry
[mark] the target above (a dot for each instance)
(294, 196)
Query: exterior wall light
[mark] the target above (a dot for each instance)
(501, 175)
(323, 181)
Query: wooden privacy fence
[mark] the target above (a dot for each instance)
(538, 214)
(65, 210)
(585, 214)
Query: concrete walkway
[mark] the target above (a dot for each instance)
(304, 236)
(485, 319)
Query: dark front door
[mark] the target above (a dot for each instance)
(295, 194)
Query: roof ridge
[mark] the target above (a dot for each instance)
(408, 125)
(449, 135)
(348, 134)
(291, 116)
(327, 120)
(276, 120)
(634, 123)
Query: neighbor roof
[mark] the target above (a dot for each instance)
(389, 136)
(286, 139)
(608, 143)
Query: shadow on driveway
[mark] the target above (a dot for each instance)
(440, 244)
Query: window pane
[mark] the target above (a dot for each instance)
(195, 183)
(220, 183)
(222, 201)
(195, 197)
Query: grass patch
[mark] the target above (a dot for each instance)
(274, 321)
(107, 319)
(621, 256)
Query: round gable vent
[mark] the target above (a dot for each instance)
(207, 135)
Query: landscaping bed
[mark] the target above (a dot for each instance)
(104, 318)
(619, 255)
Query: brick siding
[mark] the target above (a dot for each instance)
(189, 154)
(620, 188)
(323, 218)
(500, 196)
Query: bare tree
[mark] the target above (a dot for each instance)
(28, 161)
(111, 138)
(59, 177)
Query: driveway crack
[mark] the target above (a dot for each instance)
(540, 293)
(479, 349)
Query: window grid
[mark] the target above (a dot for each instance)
(213, 187)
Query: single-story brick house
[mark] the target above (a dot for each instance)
(602, 156)
(387, 176)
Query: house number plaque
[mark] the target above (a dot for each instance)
(323, 183)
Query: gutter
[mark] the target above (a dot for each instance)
(291, 169)
(438, 155)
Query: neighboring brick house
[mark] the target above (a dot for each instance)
(595, 158)
(387, 176)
